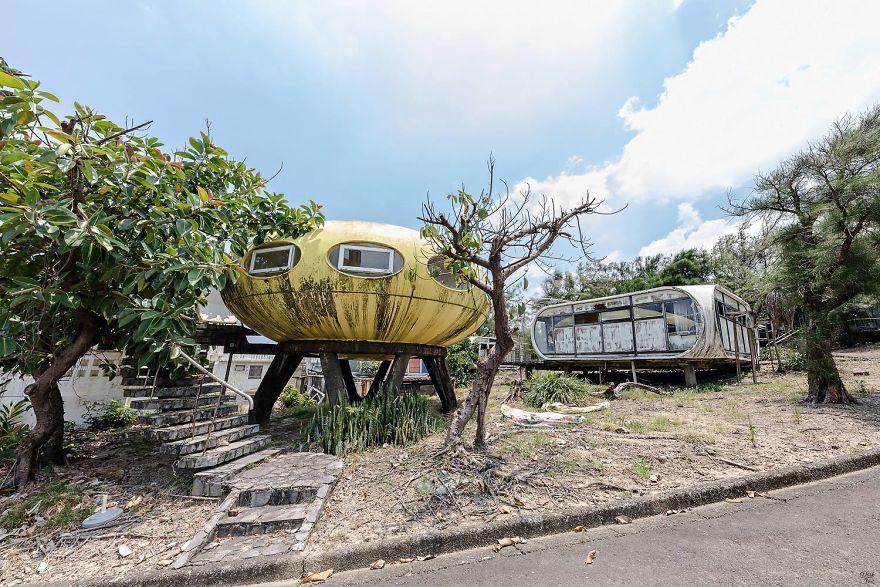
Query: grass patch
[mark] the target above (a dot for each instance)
(575, 460)
(528, 444)
(641, 470)
(58, 505)
(636, 426)
(545, 388)
(663, 423)
(692, 436)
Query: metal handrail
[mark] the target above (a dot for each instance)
(225, 384)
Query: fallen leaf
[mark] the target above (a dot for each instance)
(579, 528)
(406, 560)
(517, 501)
(591, 556)
(623, 520)
(377, 564)
(505, 542)
(504, 509)
(317, 577)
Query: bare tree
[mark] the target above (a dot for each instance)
(487, 240)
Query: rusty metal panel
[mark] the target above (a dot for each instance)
(618, 337)
(651, 335)
(564, 339)
(589, 339)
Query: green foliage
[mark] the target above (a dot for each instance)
(58, 504)
(792, 359)
(109, 415)
(385, 417)
(545, 388)
(641, 470)
(292, 398)
(100, 224)
(460, 359)
(13, 430)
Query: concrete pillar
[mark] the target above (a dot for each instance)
(398, 370)
(690, 376)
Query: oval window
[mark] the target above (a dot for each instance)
(443, 276)
(366, 259)
(273, 260)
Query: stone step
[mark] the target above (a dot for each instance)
(248, 521)
(143, 381)
(171, 433)
(205, 441)
(223, 454)
(210, 483)
(169, 392)
(177, 403)
(166, 419)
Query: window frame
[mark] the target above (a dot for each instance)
(341, 266)
(250, 371)
(291, 257)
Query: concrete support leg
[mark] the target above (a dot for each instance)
(398, 370)
(379, 378)
(690, 376)
(567, 370)
(442, 382)
(348, 378)
(632, 365)
(334, 382)
(277, 375)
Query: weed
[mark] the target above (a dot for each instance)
(109, 415)
(663, 423)
(641, 469)
(862, 390)
(636, 426)
(574, 461)
(546, 388)
(752, 432)
(527, 445)
(691, 436)
(796, 413)
(56, 503)
(792, 360)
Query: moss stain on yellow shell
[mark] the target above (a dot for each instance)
(316, 301)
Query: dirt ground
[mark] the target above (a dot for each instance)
(643, 443)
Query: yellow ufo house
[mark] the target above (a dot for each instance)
(354, 281)
(355, 290)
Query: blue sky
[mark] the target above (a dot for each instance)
(663, 106)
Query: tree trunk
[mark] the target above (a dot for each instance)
(824, 385)
(47, 437)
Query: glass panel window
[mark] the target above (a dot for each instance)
(365, 259)
(654, 310)
(614, 315)
(255, 371)
(442, 275)
(681, 317)
(273, 259)
(543, 335)
(589, 318)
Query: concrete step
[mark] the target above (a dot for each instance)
(210, 483)
(223, 454)
(169, 392)
(178, 403)
(199, 443)
(171, 433)
(167, 419)
(248, 521)
(144, 381)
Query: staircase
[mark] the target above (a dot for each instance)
(197, 420)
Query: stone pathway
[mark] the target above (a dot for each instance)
(271, 508)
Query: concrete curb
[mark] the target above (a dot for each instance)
(528, 526)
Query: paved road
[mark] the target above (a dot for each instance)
(824, 533)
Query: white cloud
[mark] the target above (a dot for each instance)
(776, 78)
(475, 62)
(692, 232)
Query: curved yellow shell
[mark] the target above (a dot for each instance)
(315, 301)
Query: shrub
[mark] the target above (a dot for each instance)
(109, 415)
(460, 359)
(545, 388)
(384, 417)
(792, 360)
(12, 428)
(292, 398)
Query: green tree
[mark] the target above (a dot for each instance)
(107, 239)
(825, 203)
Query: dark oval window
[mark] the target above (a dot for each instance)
(443, 276)
(273, 260)
(365, 259)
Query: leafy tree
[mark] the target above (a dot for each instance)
(487, 239)
(107, 239)
(825, 205)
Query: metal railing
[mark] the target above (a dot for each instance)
(225, 384)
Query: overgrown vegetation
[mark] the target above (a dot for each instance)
(54, 506)
(460, 360)
(293, 399)
(792, 360)
(544, 388)
(13, 430)
(384, 417)
(109, 415)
